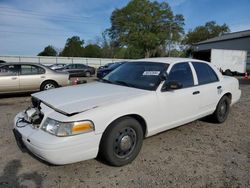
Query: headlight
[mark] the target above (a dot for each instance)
(67, 128)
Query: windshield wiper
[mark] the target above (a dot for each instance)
(120, 82)
(106, 81)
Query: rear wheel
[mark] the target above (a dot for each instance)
(87, 74)
(121, 142)
(48, 85)
(222, 110)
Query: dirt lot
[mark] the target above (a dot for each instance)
(199, 154)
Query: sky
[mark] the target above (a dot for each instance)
(27, 26)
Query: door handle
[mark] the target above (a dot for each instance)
(219, 87)
(14, 78)
(42, 76)
(196, 92)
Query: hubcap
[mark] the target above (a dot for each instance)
(49, 86)
(125, 142)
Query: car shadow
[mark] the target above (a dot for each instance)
(12, 178)
(208, 119)
(15, 95)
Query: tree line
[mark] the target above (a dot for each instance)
(142, 28)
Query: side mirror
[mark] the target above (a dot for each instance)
(171, 85)
(163, 76)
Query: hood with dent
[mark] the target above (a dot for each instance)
(75, 99)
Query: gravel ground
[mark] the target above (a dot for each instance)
(199, 154)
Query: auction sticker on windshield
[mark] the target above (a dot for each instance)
(151, 73)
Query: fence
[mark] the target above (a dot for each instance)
(46, 60)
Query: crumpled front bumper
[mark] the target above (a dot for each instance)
(53, 149)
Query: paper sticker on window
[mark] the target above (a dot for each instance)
(151, 73)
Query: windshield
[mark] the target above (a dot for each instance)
(115, 65)
(141, 75)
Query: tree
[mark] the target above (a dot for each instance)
(92, 50)
(73, 47)
(209, 30)
(48, 51)
(145, 26)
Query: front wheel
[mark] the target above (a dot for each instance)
(121, 142)
(222, 110)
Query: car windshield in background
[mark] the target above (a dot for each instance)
(141, 75)
(114, 66)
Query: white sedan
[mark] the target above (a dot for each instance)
(110, 118)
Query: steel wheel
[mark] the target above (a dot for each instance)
(222, 110)
(125, 142)
(121, 142)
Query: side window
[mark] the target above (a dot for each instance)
(79, 66)
(182, 73)
(204, 73)
(41, 70)
(31, 70)
(8, 70)
(71, 66)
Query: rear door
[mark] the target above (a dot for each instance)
(71, 68)
(208, 85)
(31, 77)
(9, 79)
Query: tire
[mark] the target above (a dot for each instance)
(48, 85)
(87, 74)
(222, 110)
(121, 142)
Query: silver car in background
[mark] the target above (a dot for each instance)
(23, 77)
(57, 66)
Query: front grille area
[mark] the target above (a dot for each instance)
(35, 102)
(37, 117)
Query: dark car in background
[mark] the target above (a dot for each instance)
(105, 66)
(104, 71)
(2, 61)
(78, 70)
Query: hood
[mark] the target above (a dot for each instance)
(75, 99)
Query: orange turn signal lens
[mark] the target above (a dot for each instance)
(82, 127)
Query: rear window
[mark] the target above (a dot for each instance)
(204, 73)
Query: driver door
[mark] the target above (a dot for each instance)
(179, 106)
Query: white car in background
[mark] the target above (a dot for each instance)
(112, 116)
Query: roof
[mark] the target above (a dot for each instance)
(227, 36)
(21, 63)
(169, 60)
